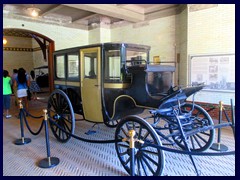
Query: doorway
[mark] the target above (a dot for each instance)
(43, 44)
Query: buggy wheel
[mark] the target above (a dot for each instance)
(61, 112)
(148, 161)
(75, 100)
(200, 141)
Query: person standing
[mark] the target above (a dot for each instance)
(14, 89)
(22, 83)
(34, 88)
(7, 91)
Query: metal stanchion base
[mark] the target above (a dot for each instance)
(219, 147)
(44, 163)
(22, 142)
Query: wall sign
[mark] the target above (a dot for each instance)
(215, 71)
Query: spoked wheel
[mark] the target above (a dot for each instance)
(200, 141)
(61, 112)
(75, 100)
(148, 161)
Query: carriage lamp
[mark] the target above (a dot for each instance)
(4, 41)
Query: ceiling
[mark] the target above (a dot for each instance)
(89, 16)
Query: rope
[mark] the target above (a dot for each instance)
(149, 144)
(83, 139)
(27, 113)
(189, 153)
(25, 119)
(120, 140)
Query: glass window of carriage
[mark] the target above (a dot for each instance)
(112, 66)
(115, 70)
(90, 65)
(60, 67)
(73, 66)
(158, 83)
(135, 57)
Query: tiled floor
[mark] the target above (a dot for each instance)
(78, 158)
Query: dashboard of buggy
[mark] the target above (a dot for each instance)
(173, 99)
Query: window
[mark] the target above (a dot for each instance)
(159, 82)
(73, 66)
(112, 65)
(90, 65)
(134, 57)
(115, 70)
(60, 67)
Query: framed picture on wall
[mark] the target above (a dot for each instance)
(217, 72)
(156, 59)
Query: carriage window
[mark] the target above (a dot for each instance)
(90, 65)
(73, 66)
(134, 57)
(114, 68)
(60, 67)
(112, 65)
(159, 82)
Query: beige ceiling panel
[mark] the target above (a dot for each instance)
(110, 10)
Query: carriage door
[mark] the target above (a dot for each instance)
(91, 84)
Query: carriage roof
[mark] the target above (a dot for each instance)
(110, 44)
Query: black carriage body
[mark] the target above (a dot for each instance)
(111, 81)
(120, 81)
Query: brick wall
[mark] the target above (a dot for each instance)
(212, 30)
(213, 110)
(159, 34)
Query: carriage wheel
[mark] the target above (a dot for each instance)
(75, 100)
(148, 161)
(61, 112)
(200, 141)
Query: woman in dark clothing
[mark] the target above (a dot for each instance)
(22, 83)
(34, 88)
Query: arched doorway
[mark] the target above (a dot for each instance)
(42, 43)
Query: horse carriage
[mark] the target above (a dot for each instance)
(112, 83)
(42, 76)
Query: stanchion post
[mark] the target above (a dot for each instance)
(49, 161)
(131, 134)
(218, 146)
(23, 140)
